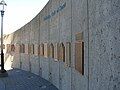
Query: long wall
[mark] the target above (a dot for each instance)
(75, 44)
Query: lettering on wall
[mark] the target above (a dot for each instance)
(53, 13)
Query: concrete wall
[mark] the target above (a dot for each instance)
(104, 41)
(58, 24)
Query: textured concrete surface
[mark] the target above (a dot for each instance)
(97, 20)
(22, 80)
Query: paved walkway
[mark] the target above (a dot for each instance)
(22, 80)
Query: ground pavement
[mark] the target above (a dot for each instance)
(22, 80)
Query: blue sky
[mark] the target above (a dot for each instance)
(19, 12)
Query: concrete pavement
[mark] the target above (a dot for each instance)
(23, 80)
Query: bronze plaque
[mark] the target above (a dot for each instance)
(3, 46)
(29, 49)
(22, 48)
(62, 52)
(32, 48)
(79, 57)
(36, 47)
(79, 36)
(17, 48)
(46, 50)
(51, 51)
(26, 48)
(68, 54)
(56, 52)
(42, 49)
(12, 48)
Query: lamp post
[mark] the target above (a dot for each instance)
(3, 72)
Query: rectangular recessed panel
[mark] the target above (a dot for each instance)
(51, 51)
(79, 57)
(26, 48)
(62, 52)
(8, 48)
(46, 50)
(56, 52)
(79, 36)
(32, 48)
(68, 54)
(36, 47)
(29, 49)
(42, 50)
(3, 46)
(17, 48)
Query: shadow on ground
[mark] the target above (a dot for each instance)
(23, 80)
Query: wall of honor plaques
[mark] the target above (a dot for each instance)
(79, 53)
